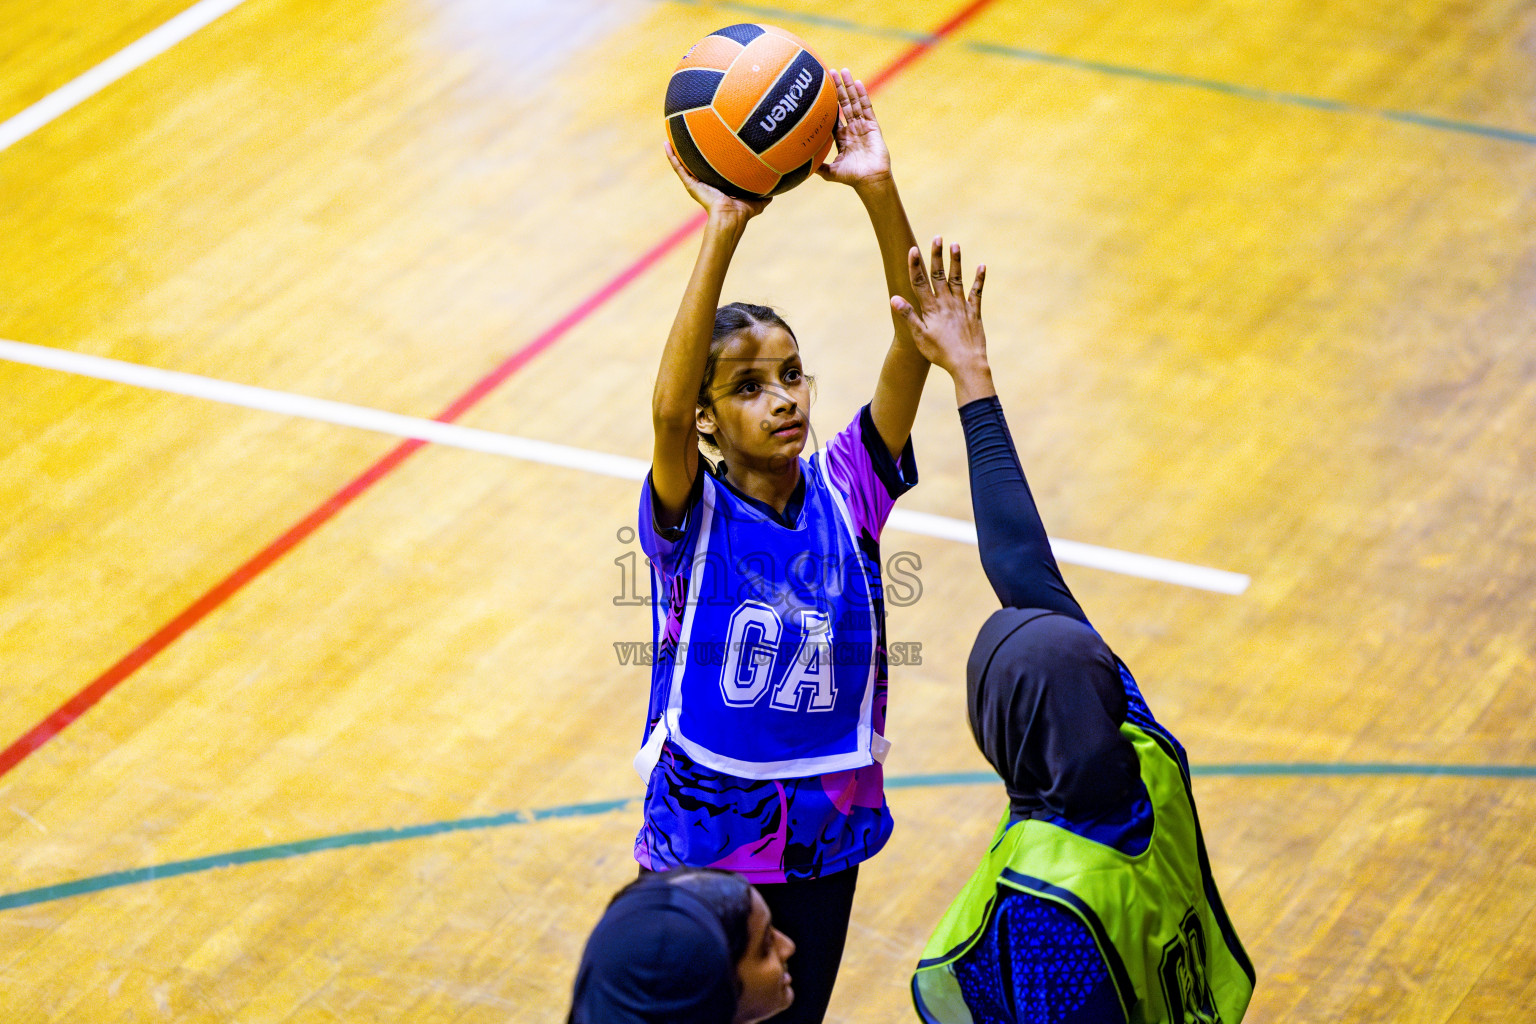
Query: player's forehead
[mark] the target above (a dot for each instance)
(763, 348)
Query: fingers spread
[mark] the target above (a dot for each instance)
(908, 315)
(848, 98)
(861, 97)
(915, 269)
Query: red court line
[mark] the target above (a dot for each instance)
(198, 610)
(915, 51)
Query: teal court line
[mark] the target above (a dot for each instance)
(374, 837)
(1129, 71)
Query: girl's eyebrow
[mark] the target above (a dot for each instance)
(748, 366)
(745, 366)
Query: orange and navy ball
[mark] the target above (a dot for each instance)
(751, 111)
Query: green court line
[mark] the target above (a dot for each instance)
(1130, 71)
(1252, 93)
(280, 851)
(1299, 769)
(809, 18)
(1305, 768)
(373, 837)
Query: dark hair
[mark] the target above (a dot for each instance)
(731, 319)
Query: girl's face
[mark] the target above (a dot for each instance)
(763, 968)
(760, 400)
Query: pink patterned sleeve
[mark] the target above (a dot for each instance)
(869, 478)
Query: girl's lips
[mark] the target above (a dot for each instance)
(785, 431)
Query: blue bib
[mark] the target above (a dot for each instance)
(775, 668)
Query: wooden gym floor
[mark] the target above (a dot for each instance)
(307, 722)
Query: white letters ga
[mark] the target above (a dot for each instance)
(749, 657)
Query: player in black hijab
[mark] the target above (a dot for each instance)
(1094, 903)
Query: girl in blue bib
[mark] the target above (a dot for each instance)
(763, 738)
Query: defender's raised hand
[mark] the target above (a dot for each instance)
(945, 321)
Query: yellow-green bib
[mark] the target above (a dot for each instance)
(1156, 917)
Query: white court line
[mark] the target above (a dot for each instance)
(130, 57)
(529, 450)
(321, 409)
(1073, 552)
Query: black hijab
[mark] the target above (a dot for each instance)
(1046, 702)
(658, 955)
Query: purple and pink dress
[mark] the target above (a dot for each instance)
(764, 733)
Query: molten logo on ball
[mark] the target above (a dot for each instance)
(790, 103)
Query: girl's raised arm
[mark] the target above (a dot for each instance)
(675, 457)
(864, 162)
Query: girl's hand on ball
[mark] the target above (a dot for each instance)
(862, 157)
(712, 199)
